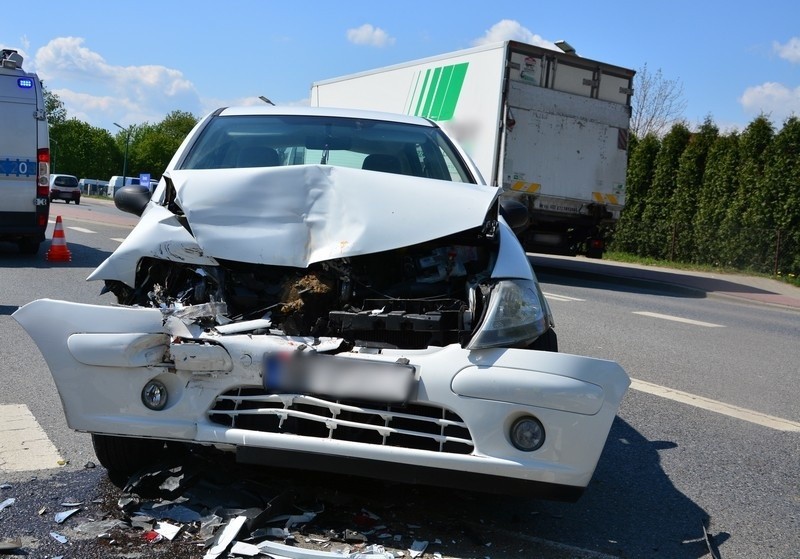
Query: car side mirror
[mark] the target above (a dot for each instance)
(515, 213)
(132, 199)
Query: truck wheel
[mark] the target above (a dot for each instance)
(78, 202)
(123, 456)
(594, 253)
(29, 246)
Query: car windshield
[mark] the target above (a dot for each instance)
(278, 140)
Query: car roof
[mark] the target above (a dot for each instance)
(324, 111)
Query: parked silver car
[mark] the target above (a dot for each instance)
(65, 187)
(331, 290)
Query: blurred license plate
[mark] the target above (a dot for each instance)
(340, 377)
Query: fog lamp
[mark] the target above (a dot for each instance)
(154, 395)
(527, 434)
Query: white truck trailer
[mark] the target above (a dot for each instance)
(549, 127)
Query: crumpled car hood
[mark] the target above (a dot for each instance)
(295, 216)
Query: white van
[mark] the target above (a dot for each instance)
(116, 182)
(24, 156)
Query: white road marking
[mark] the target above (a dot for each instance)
(679, 319)
(119, 240)
(556, 297)
(24, 445)
(758, 418)
(80, 229)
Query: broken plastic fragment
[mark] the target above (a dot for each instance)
(274, 549)
(195, 312)
(152, 536)
(225, 538)
(62, 516)
(100, 528)
(246, 549)
(7, 503)
(58, 537)
(167, 530)
(373, 551)
(179, 329)
(244, 326)
(417, 548)
(273, 532)
(10, 545)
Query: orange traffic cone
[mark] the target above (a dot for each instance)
(58, 247)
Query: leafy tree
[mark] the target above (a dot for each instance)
(657, 103)
(657, 237)
(641, 168)
(780, 197)
(156, 144)
(54, 107)
(743, 224)
(688, 182)
(82, 150)
(719, 188)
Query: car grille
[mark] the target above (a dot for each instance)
(411, 426)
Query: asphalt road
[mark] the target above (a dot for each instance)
(709, 432)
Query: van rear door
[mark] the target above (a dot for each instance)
(23, 211)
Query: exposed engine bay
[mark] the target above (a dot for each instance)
(409, 298)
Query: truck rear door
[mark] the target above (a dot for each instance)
(565, 149)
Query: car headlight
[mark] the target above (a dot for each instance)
(515, 316)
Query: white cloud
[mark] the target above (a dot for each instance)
(369, 35)
(101, 93)
(790, 51)
(512, 30)
(773, 99)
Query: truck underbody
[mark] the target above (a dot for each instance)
(566, 234)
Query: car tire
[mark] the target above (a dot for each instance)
(124, 456)
(28, 246)
(78, 202)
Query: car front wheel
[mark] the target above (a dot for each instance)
(123, 456)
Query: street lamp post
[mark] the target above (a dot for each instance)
(125, 159)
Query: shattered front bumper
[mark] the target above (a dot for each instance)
(452, 430)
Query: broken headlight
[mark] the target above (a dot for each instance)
(515, 316)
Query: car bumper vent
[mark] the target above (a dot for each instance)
(412, 426)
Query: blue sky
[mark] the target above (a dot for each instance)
(134, 61)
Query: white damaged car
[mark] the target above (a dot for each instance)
(331, 290)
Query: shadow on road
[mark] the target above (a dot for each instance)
(632, 508)
(82, 257)
(645, 279)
